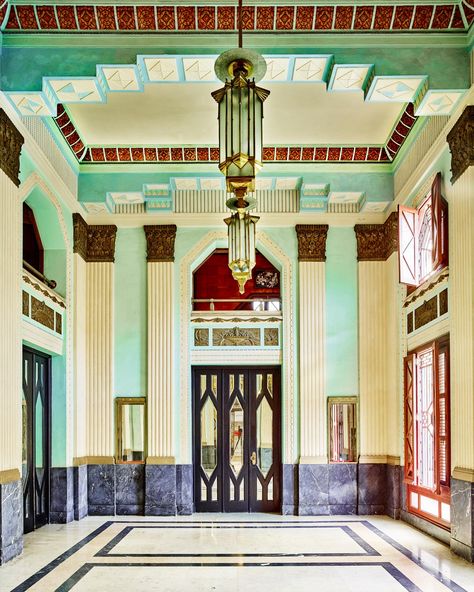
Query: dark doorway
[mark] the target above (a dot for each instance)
(36, 459)
(237, 457)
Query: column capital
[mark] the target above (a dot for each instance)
(461, 143)
(312, 242)
(94, 243)
(160, 242)
(376, 242)
(11, 142)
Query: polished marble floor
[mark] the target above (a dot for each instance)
(233, 553)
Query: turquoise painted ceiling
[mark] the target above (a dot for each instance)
(383, 66)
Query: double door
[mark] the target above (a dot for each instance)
(36, 439)
(237, 460)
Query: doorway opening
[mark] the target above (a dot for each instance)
(36, 449)
(237, 439)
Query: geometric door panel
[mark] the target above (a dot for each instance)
(237, 460)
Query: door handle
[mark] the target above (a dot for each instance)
(253, 458)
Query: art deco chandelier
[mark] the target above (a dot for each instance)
(240, 114)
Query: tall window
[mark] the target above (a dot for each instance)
(423, 237)
(427, 442)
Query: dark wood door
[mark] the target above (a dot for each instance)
(237, 435)
(36, 461)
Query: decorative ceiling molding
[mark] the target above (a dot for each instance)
(94, 243)
(312, 242)
(278, 154)
(376, 242)
(304, 18)
(11, 142)
(160, 242)
(461, 143)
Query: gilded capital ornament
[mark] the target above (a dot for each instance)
(11, 142)
(94, 243)
(160, 242)
(311, 241)
(376, 242)
(461, 143)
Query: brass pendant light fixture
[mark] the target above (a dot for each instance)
(240, 105)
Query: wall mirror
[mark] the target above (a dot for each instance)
(342, 429)
(130, 422)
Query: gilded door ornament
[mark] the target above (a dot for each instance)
(236, 337)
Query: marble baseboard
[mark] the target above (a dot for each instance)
(101, 490)
(426, 526)
(462, 518)
(184, 490)
(394, 491)
(61, 506)
(129, 489)
(11, 520)
(371, 488)
(81, 506)
(160, 490)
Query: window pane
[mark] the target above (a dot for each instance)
(425, 420)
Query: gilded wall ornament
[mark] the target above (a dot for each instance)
(267, 279)
(376, 242)
(312, 241)
(11, 142)
(160, 242)
(95, 242)
(201, 337)
(270, 337)
(42, 313)
(235, 337)
(461, 143)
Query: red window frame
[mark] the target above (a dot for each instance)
(440, 493)
(409, 225)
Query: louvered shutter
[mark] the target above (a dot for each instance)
(443, 424)
(436, 221)
(407, 240)
(410, 386)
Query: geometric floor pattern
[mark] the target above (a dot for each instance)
(233, 553)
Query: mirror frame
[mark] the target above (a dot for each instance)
(349, 399)
(119, 403)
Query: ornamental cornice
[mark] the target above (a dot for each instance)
(312, 241)
(11, 142)
(94, 243)
(461, 143)
(160, 242)
(376, 242)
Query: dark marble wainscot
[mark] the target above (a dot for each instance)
(372, 488)
(80, 492)
(160, 490)
(129, 489)
(394, 487)
(11, 520)
(101, 490)
(313, 490)
(61, 507)
(184, 490)
(289, 502)
(342, 488)
(462, 518)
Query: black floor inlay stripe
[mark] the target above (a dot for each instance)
(389, 567)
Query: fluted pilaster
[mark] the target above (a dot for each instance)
(312, 362)
(10, 323)
(372, 361)
(160, 257)
(100, 359)
(461, 265)
(160, 361)
(80, 353)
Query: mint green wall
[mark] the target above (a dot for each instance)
(342, 377)
(59, 411)
(130, 313)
